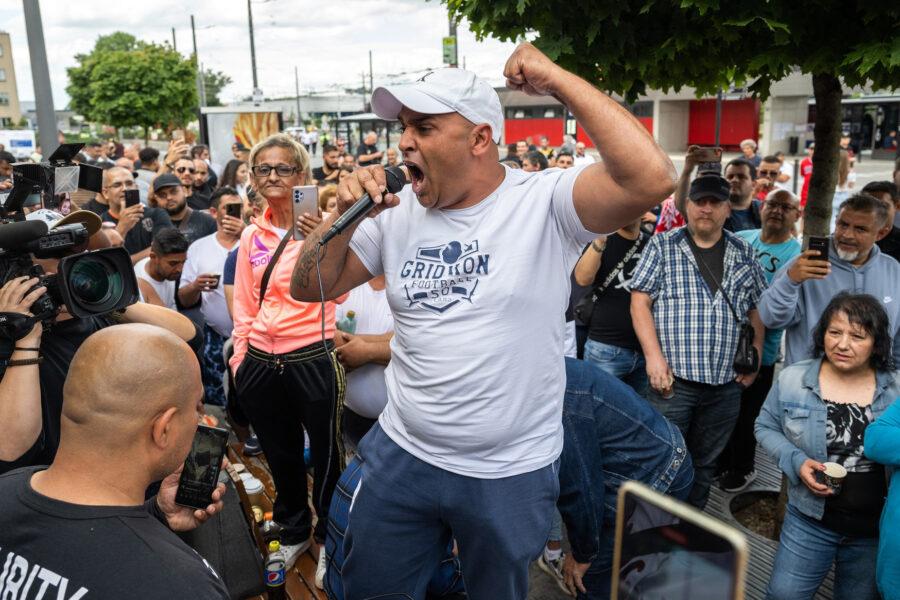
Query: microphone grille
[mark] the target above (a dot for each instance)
(395, 178)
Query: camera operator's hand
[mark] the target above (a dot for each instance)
(128, 218)
(15, 297)
(183, 518)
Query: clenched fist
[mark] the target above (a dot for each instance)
(530, 71)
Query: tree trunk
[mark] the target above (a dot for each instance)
(827, 135)
(146, 135)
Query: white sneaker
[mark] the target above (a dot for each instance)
(320, 569)
(293, 552)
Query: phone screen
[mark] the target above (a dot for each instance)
(305, 200)
(201, 467)
(233, 210)
(663, 555)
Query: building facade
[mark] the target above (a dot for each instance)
(10, 113)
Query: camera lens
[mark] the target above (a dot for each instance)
(95, 283)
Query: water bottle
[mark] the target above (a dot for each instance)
(348, 323)
(275, 572)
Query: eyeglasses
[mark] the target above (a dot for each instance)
(769, 173)
(183, 169)
(280, 170)
(120, 184)
(780, 206)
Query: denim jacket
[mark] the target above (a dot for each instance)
(612, 435)
(791, 425)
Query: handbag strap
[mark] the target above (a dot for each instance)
(264, 284)
(618, 268)
(713, 277)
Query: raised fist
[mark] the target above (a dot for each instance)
(530, 71)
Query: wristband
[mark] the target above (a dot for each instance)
(20, 349)
(21, 363)
(598, 249)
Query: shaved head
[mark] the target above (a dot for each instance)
(121, 383)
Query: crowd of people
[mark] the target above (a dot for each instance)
(479, 365)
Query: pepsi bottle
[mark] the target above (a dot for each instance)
(275, 572)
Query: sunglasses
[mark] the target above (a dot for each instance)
(769, 173)
(183, 169)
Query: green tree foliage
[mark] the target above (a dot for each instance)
(214, 81)
(628, 46)
(125, 82)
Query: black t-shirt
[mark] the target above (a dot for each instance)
(73, 551)
(199, 200)
(319, 175)
(714, 258)
(367, 149)
(611, 319)
(748, 218)
(196, 225)
(890, 244)
(58, 346)
(94, 206)
(141, 235)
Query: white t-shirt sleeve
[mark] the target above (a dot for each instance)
(563, 207)
(189, 272)
(366, 244)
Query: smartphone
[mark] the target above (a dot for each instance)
(667, 549)
(305, 200)
(178, 134)
(709, 159)
(132, 198)
(821, 244)
(218, 278)
(201, 468)
(234, 210)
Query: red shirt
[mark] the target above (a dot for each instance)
(806, 174)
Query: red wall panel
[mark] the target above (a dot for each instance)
(740, 121)
(519, 129)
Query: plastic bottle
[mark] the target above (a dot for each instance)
(275, 572)
(348, 323)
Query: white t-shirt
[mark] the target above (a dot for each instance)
(579, 161)
(366, 392)
(164, 289)
(786, 169)
(207, 255)
(477, 375)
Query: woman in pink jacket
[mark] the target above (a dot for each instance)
(285, 374)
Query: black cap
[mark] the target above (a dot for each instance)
(165, 180)
(710, 186)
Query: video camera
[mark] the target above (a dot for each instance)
(86, 282)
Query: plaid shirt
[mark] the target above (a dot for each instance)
(697, 331)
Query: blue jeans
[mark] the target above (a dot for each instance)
(706, 415)
(807, 550)
(405, 512)
(612, 435)
(627, 365)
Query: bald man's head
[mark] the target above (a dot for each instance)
(133, 393)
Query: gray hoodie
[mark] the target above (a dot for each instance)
(797, 307)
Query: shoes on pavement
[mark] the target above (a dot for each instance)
(733, 481)
(554, 568)
(293, 552)
(321, 568)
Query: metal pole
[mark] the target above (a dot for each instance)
(201, 96)
(371, 87)
(718, 115)
(174, 45)
(40, 76)
(455, 62)
(297, 90)
(252, 46)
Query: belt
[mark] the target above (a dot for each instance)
(304, 354)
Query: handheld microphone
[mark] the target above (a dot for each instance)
(395, 179)
(17, 234)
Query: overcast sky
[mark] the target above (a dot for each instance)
(328, 40)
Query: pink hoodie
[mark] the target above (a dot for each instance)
(282, 324)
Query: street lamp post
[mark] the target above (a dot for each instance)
(40, 76)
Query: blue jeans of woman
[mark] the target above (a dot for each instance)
(807, 550)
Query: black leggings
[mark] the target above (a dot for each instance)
(282, 395)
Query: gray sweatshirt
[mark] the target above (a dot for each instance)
(797, 307)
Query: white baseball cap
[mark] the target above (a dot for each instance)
(440, 92)
(54, 219)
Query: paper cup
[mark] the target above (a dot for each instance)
(833, 476)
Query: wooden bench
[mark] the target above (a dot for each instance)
(300, 580)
